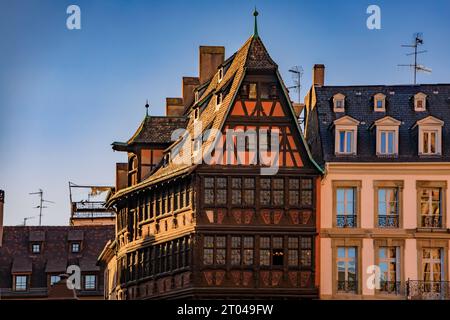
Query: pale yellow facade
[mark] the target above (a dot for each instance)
(410, 237)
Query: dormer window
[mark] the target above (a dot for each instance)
(387, 136)
(346, 129)
(219, 98)
(36, 248)
(420, 102)
(430, 136)
(196, 96)
(339, 102)
(220, 75)
(196, 113)
(166, 159)
(75, 247)
(379, 102)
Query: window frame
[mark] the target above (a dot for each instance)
(27, 282)
(338, 97)
(85, 282)
(356, 184)
(399, 244)
(345, 124)
(347, 242)
(389, 184)
(379, 97)
(442, 185)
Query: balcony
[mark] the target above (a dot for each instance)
(427, 290)
(392, 287)
(346, 221)
(431, 221)
(390, 221)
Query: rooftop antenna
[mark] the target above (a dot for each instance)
(26, 219)
(41, 202)
(297, 73)
(418, 41)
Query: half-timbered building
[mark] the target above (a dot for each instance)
(230, 209)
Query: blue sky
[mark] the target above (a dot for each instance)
(65, 95)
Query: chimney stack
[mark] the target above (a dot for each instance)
(319, 75)
(189, 84)
(211, 57)
(174, 107)
(2, 202)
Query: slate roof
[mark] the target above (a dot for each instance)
(55, 256)
(359, 105)
(153, 130)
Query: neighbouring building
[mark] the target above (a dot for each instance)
(34, 260)
(384, 196)
(217, 229)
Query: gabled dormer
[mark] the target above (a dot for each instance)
(387, 136)
(420, 102)
(339, 102)
(379, 102)
(346, 134)
(430, 136)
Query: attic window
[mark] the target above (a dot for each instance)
(166, 159)
(196, 96)
(36, 248)
(339, 102)
(387, 136)
(346, 135)
(430, 136)
(75, 247)
(253, 93)
(196, 113)
(379, 101)
(219, 99)
(220, 75)
(420, 102)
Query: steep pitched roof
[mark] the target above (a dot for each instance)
(359, 105)
(252, 56)
(153, 129)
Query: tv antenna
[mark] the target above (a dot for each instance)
(26, 219)
(297, 73)
(41, 203)
(418, 41)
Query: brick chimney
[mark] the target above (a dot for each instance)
(2, 202)
(174, 107)
(319, 75)
(210, 58)
(189, 84)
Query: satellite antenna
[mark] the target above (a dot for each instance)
(297, 73)
(41, 203)
(418, 41)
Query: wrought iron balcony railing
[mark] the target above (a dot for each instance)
(427, 290)
(390, 221)
(347, 286)
(392, 287)
(346, 221)
(431, 222)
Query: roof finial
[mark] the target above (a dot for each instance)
(146, 108)
(255, 31)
